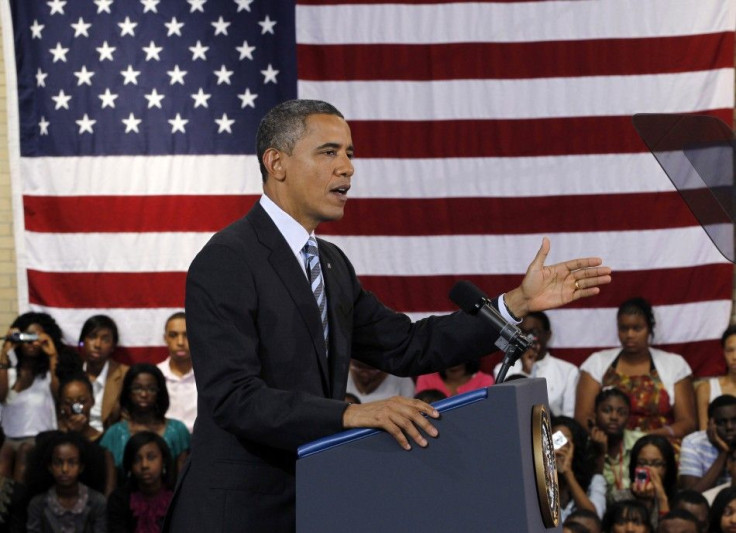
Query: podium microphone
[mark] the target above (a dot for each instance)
(511, 339)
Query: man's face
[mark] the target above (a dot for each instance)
(316, 175)
(176, 340)
(725, 420)
(699, 511)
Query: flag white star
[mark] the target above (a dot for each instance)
(84, 76)
(224, 123)
(62, 100)
(267, 25)
(220, 26)
(178, 123)
(150, 5)
(269, 75)
(198, 51)
(108, 99)
(243, 5)
(36, 30)
(131, 123)
(41, 78)
(223, 75)
(85, 124)
(130, 75)
(154, 99)
(43, 124)
(247, 99)
(103, 5)
(81, 27)
(152, 51)
(200, 98)
(176, 75)
(105, 51)
(174, 27)
(197, 5)
(59, 53)
(57, 6)
(127, 27)
(245, 50)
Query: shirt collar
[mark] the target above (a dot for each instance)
(294, 233)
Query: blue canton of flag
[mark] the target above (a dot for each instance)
(118, 77)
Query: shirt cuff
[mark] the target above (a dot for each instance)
(505, 312)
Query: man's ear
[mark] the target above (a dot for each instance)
(273, 160)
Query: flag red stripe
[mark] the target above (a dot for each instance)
(410, 293)
(704, 357)
(369, 216)
(501, 138)
(454, 61)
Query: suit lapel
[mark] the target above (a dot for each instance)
(284, 263)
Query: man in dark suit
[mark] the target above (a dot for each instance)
(271, 370)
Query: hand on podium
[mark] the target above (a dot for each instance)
(399, 416)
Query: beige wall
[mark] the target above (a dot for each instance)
(8, 281)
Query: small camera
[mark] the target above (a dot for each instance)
(77, 408)
(18, 336)
(558, 440)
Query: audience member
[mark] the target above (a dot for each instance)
(68, 504)
(695, 503)
(711, 494)
(574, 527)
(430, 395)
(98, 341)
(659, 384)
(178, 372)
(627, 516)
(613, 440)
(145, 401)
(588, 519)
(28, 385)
(580, 486)
(537, 362)
(141, 504)
(370, 384)
(351, 398)
(678, 521)
(456, 379)
(723, 512)
(703, 454)
(652, 475)
(714, 387)
(13, 502)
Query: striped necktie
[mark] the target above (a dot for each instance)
(314, 272)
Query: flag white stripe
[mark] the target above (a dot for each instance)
(675, 324)
(527, 98)
(704, 320)
(374, 178)
(508, 22)
(400, 256)
(136, 175)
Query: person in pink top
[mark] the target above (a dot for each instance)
(456, 379)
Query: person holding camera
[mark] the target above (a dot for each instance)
(653, 476)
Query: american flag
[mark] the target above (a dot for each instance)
(479, 128)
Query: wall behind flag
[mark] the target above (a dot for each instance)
(8, 275)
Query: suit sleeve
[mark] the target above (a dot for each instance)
(225, 317)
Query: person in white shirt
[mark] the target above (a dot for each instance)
(537, 362)
(369, 384)
(177, 369)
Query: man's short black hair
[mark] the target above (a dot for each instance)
(724, 400)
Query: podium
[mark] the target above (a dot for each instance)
(487, 471)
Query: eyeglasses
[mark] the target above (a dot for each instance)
(137, 389)
(651, 464)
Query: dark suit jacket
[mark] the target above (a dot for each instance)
(265, 384)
